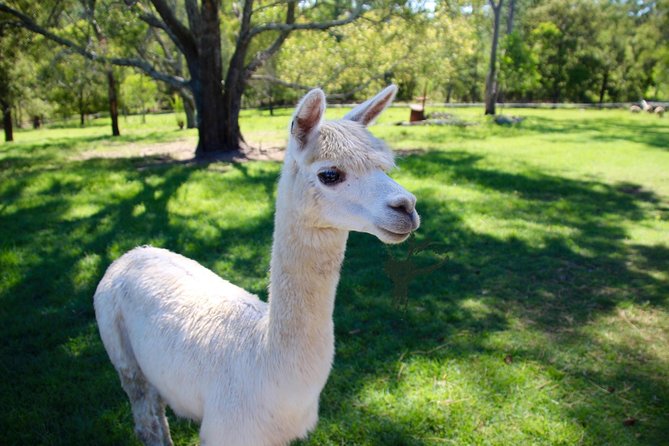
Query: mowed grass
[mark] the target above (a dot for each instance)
(548, 323)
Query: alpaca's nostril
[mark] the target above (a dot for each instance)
(403, 205)
(400, 208)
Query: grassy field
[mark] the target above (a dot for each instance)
(548, 324)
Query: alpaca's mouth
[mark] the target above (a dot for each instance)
(392, 236)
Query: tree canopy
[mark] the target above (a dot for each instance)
(220, 56)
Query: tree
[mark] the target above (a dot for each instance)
(6, 95)
(138, 92)
(412, 48)
(511, 15)
(112, 93)
(73, 85)
(355, 60)
(8, 40)
(518, 75)
(15, 74)
(462, 29)
(7, 119)
(84, 29)
(217, 97)
(491, 78)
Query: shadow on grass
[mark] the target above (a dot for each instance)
(28, 154)
(651, 131)
(61, 230)
(557, 286)
(58, 387)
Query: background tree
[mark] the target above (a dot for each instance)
(353, 60)
(12, 41)
(195, 29)
(491, 78)
(74, 85)
(410, 48)
(218, 57)
(471, 23)
(7, 48)
(89, 7)
(138, 93)
(518, 70)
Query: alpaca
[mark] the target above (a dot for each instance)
(659, 111)
(635, 109)
(251, 372)
(646, 106)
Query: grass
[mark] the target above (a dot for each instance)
(548, 324)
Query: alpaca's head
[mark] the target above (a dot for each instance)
(336, 172)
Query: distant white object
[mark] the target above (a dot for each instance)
(508, 120)
(252, 372)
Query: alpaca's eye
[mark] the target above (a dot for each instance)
(330, 176)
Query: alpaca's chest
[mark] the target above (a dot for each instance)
(292, 414)
(292, 393)
(266, 413)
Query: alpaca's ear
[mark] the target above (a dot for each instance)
(368, 111)
(308, 115)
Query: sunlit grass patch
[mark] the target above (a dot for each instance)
(546, 320)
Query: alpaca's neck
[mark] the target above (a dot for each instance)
(304, 274)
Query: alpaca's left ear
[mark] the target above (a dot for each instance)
(308, 116)
(368, 111)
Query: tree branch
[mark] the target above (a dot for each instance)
(184, 36)
(262, 56)
(295, 86)
(245, 25)
(352, 16)
(174, 81)
(155, 22)
(152, 21)
(29, 24)
(168, 56)
(268, 6)
(276, 80)
(495, 6)
(194, 19)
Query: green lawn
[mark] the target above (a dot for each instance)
(547, 324)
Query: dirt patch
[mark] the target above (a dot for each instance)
(182, 150)
(179, 150)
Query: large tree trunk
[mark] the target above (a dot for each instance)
(235, 81)
(491, 78)
(207, 87)
(232, 103)
(7, 121)
(113, 101)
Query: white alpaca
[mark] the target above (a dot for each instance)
(252, 372)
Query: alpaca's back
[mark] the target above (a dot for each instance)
(176, 322)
